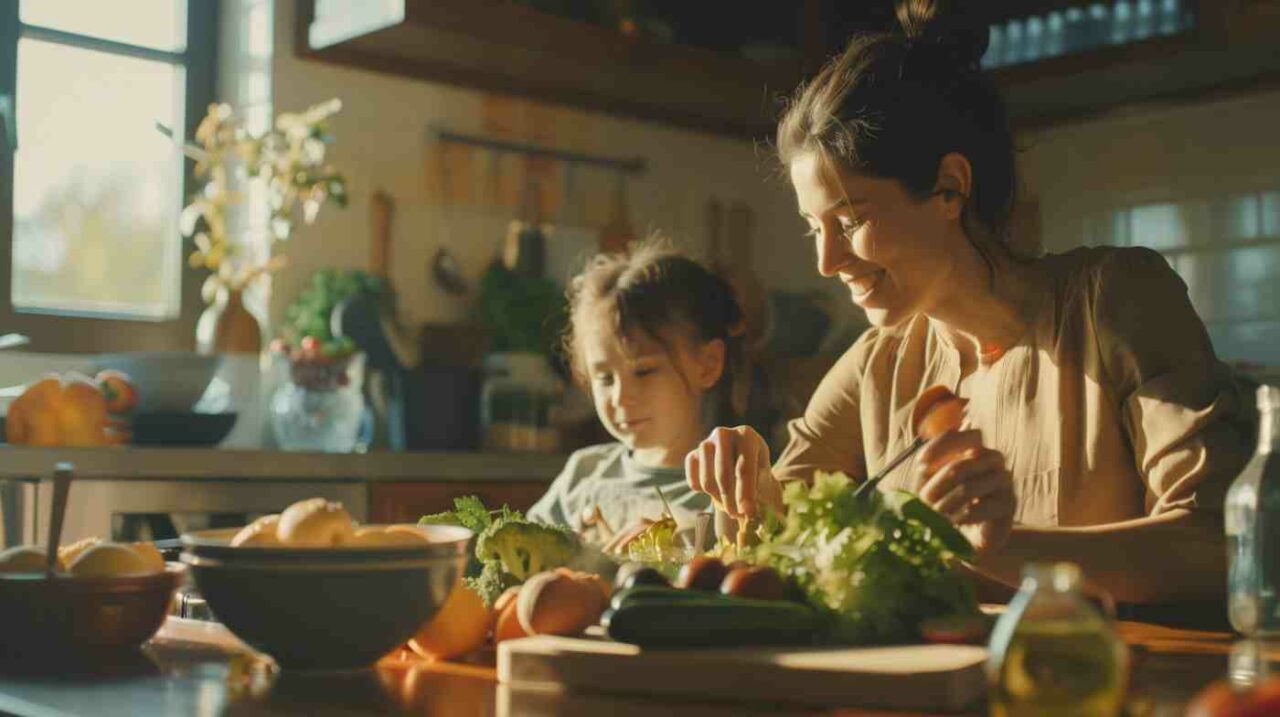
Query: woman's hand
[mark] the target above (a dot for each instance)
(732, 466)
(968, 482)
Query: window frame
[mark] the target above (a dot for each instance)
(67, 333)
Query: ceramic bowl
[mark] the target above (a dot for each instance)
(325, 608)
(67, 617)
(166, 381)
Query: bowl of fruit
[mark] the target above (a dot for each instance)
(166, 381)
(102, 599)
(313, 589)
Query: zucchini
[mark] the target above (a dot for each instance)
(658, 592)
(719, 622)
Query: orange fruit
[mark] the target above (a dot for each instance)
(508, 625)
(461, 625)
(936, 412)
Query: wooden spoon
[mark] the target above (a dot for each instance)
(936, 412)
(61, 487)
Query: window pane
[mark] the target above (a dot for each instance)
(159, 24)
(96, 188)
(1159, 226)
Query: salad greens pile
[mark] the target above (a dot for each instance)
(876, 566)
(511, 548)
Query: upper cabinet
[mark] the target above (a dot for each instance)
(665, 60)
(1061, 60)
(723, 67)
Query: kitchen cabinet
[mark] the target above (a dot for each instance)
(672, 62)
(407, 502)
(698, 65)
(1227, 46)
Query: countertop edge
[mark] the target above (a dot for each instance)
(144, 464)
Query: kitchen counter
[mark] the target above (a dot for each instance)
(199, 669)
(375, 487)
(196, 464)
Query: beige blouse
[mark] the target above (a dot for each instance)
(1112, 406)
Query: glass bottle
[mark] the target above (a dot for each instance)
(1053, 653)
(1252, 518)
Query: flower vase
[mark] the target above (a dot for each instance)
(320, 407)
(227, 326)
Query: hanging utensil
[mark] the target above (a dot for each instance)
(447, 274)
(382, 208)
(617, 233)
(61, 488)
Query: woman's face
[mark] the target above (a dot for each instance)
(893, 251)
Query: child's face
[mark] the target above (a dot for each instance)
(647, 397)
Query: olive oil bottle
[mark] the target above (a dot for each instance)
(1252, 518)
(1052, 653)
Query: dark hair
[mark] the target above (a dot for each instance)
(653, 288)
(893, 104)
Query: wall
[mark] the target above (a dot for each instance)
(1200, 182)
(381, 143)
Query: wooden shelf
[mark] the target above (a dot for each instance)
(514, 49)
(511, 48)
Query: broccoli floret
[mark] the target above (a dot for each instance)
(525, 548)
(468, 511)
(491, 582)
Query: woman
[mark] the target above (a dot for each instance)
(1101, 428)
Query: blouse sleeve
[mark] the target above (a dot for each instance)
(828, 437)
(1184, 412)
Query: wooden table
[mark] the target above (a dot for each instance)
(198, 669)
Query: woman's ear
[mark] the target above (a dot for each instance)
(708, 362)
(954, 183)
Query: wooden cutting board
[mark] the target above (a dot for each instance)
(910, 677)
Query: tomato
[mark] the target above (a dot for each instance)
(1221, 699)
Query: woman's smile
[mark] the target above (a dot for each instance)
(863, 285)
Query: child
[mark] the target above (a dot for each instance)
(658, 340)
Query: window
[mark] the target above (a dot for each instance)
(92, 246)
(1226, 247)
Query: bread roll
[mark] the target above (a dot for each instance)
(315, 523)
(151, 554)
(110, 560)
(374, 536)
(418, 535)
(261, 532)
(25, 559)
(68, 553)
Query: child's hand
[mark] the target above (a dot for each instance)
(732, 466)
(618, 544)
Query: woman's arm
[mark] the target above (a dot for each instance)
(1179, 555)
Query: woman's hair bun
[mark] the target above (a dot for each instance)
(956, 30)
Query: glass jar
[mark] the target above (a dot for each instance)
(1252, 521)
(519, 401)
(320, 407)
(1053, 653)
